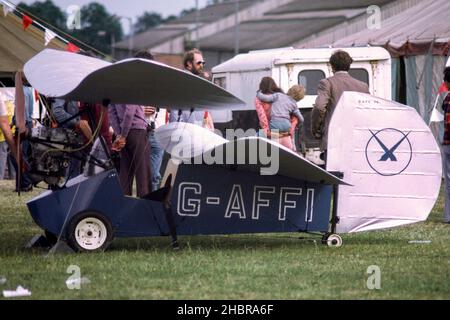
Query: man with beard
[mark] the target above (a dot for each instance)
(193, 62)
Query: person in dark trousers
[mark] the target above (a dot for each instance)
(446, 146)
(153, 116)
(23, 179)
(128, 122)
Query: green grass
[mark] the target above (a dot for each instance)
(269, 266)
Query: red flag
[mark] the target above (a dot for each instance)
(26, 21)
(72, 48)
(443, 88)
(36, 95)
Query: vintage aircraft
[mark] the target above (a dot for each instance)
(384, 167)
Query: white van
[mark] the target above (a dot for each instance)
(288, 66)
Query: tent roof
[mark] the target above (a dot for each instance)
(213, 12)
(410, 32)
(254, 36)
(152, 37)
(307, 5)
(17, 45)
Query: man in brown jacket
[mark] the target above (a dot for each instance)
(329, 92)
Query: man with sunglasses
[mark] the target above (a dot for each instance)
(193, 62)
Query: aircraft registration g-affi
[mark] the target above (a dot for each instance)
(383, 169)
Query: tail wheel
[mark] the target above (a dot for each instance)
(332, 240)
(89, 232)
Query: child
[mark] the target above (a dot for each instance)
(283, 106)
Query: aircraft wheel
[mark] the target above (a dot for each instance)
(332, 240)
(89, 232)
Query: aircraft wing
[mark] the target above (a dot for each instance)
(186, 140)
(196, 145)
(271, 158)
(133, 81)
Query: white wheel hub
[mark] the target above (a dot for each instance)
(334, 240)
(90, 233)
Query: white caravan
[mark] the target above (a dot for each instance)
(288, 66)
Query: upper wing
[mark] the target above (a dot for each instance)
(132, 81)
(55, 73)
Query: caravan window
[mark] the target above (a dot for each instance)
(360, 74)
(310, 80)
(221, 82)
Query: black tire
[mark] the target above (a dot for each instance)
(325, 238)
(89, 231)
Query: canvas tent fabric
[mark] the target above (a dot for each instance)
(306, 5)
(17, 45)
(411, 32)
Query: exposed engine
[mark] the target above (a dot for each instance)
(51, 152)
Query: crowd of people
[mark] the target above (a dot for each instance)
(128, 130)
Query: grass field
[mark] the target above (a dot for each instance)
(270, 266)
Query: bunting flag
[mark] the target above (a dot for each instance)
(72, 48)
(36, 95)
(443, 88)
(49, 36)
(7, 8)
(436, 114)
(26, 21)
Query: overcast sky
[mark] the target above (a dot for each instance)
(132, 8)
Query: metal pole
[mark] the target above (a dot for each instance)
(130, 44)
(197, 20)
(236, 28)
(113, 43)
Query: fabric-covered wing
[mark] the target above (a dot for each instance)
(132, 81)
(185, 140)
(55, 73)
(271, 158)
